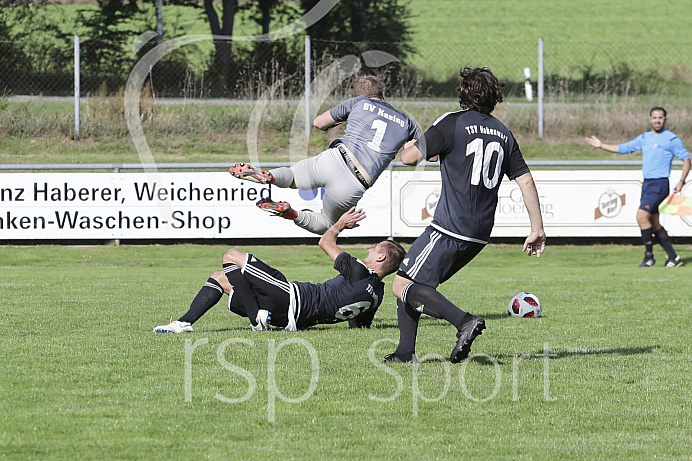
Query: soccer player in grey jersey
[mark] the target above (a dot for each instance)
(375, 132)
(262, 293)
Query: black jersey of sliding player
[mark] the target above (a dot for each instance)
(476, 151)
(356, 291)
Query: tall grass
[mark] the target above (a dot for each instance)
(209, 128)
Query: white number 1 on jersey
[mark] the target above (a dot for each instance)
(380, 126)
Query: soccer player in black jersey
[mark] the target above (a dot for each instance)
(475, 151)
(263, 294)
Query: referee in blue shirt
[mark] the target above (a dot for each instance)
(658, 147)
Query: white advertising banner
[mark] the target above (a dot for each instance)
(573, 203)
(159, 206)
(211, 205)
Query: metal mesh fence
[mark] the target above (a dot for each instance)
(425, 70)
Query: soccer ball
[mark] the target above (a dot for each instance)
(524, 305)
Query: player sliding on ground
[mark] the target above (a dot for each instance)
(352, 163)
(260, 292)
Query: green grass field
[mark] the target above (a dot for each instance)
(570, 29)
(603, 375)
(83, 376)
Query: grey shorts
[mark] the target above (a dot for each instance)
(342, 190)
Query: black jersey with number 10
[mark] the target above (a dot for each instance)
(476, 151)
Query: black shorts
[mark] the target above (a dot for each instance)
(434, 257)
(270, 286)
(654, 191)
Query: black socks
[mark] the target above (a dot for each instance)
(207, 298)
(420, 298)
(434, 304)
(666, 244)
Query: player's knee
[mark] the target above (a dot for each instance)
(234, 256)
(219, 276)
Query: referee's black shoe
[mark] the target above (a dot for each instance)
(648, 261)
(468, 332)
(677, 262)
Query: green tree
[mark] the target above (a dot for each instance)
(234, 65)
(371, 21)
(27, 60)
(104, 51)
(356, 26)
(223, 47)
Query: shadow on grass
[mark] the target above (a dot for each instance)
(562, 354)
(614, 351)
(322, 327)
(497, 316)
(492, 360)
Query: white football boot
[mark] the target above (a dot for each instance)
(175, 326)
(262, 319)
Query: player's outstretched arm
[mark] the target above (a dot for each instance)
(595, 142)
(535, 242)
(348, 220)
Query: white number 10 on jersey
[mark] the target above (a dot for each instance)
(482, 159)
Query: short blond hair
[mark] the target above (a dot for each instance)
(395, 253)
(368, 86)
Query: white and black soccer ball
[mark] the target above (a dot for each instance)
(524, 305)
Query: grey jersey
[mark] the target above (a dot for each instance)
(375, 131)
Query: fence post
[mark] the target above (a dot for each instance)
(308, 73)
(76, 86)
(159, 21)
(540, 88)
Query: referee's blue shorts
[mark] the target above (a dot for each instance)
(654, 191)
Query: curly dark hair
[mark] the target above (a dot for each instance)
(479, 89)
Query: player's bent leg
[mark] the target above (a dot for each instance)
(234, 256)
(398, 285)
(311, 173)
(317, 223)
(207, 297)
(407, 319)
(242, 299)
(283, 177)
(433, 303)
(220, 277)
(341, 194)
